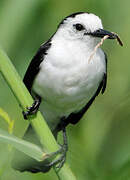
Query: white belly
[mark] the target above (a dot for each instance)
(67, 87)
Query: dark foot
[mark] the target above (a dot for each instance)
(32, 109)
(58, 163)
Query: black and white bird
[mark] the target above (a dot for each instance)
(62, 80)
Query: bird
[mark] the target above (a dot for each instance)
(62, 80)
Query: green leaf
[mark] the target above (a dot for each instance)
(8, 120)
(28, 148)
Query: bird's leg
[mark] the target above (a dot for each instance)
(58, 163)
(64, 149)
(33, 108)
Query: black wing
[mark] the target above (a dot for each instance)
(73, 118)
(34, 66)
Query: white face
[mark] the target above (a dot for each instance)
(76, 27)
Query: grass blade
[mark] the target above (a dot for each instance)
(28, 148)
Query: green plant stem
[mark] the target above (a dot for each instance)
(25, 100)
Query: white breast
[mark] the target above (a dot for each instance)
(66, 80)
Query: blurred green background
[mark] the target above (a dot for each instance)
(99, 145)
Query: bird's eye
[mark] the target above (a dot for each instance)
(79, 27)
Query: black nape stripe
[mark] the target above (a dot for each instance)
(75, 14)
(72, 16)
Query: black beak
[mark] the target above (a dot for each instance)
(101, 33)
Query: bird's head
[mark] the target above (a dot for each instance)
(83, 26)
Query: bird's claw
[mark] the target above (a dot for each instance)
(61, 162)
(32, 109)
(58, 163)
